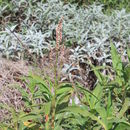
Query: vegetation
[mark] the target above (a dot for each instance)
(57, 105)
(109, 4)
(81, 65)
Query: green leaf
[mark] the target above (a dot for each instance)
(39, 80)
(58, 128)
(109, 105)
(64, 97)
(98, 91)
(125, 106)
(122, 126)
(102, 112)
(85, 113)
(116, 59)
(97, 73)
(64, 89)
(30, 116)
(80, 89)
(47, 108)
(128, 53)
(127, 73)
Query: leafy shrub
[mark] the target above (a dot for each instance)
(54, 105)
(109, 102)
(86, 27)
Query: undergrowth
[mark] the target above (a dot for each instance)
(54, 105)
(99, 45)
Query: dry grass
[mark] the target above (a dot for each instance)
(10, 73)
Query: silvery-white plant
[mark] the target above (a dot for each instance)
(88, 27)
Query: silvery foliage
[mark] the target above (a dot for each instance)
(89, 27)
(12, 47)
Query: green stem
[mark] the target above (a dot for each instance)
(53, 113)
(55, 88)
(16, 126)
(47, 126)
